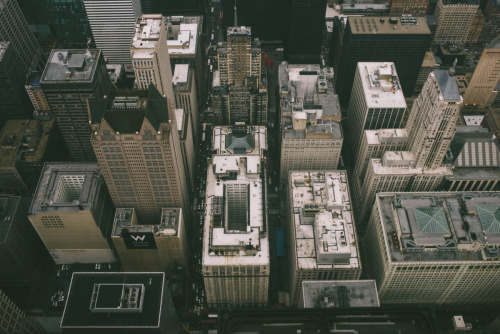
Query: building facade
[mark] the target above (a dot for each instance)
(14, 320)
(137, 146)
(149, 248)
(399, 7)
(73, 214)
(435, 248)
(20, 246)
(450, 12)
(112, 23)
(186, 95)
(235, 255)
(481, 90)
(37, 96)
(69, 79)
(322, 235)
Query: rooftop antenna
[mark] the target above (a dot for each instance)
(451, 71)
(235, 15)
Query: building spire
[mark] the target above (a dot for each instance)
(452, 69)
(235, 15)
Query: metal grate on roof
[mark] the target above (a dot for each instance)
(431, 221)
(490, 217)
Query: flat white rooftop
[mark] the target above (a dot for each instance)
(186, 40)
(403, 166)
(381, 85)
(325, 234)
(377, 137)
(147, 32)
(181, 72)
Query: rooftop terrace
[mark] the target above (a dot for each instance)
(70, 66)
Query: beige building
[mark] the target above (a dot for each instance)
(435, 248)
(411, 7)
(377, 100)
(185, 94)
(137, 146)
(322, 241)
(36, 94)
(235, 255)
(476, 27)
(150, 248)
(481, 91)
(454, 19)
(188, 146)
(150, 58)
(73, 214)
(14, 320)
(311, 134)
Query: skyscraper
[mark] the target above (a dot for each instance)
(377, 101)
(112, 23)
(150, 248)
(15, 29)
(73, 214)
(311, 133)
(448, 13)
(435, 247)
(399, 7)
(305, 24)
(235, 255)
(69, 79)
(14, 320)
(150, 56)
(15, 102)
(481, 87)
(20, 246)
(322, 236)
(137, 146)
(242, 96)
(403, 41)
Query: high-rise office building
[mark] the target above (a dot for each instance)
(26, 146)
(448, 13)
(403, 41)
(399, 7)
(475, 160)
(491, 121)
(322, 239)
(491, 27)
(15, 29)
(235, 255)
(150, 247)
(377, 100)
(429, 64)
(73, 214)
(435, 247)
(430, 129)
(120, 302)
(311, 134)
(304, 28)
(137, 146)
(14, 320)
(69, 79)
(20, 246)
(69, 22)
(112, 23)
(172, 7)
(476, 27)
(242, 84)
(150, 58)
(481, 91)
(188, 146)
(37, 96)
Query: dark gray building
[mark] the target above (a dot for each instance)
(401, 40)
(69, 79)
(119, 303)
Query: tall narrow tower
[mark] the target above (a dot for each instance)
(431, 125)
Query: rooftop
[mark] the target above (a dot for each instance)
(24, 140)
(381, 85)
(477, 148)
(111, 300)
(340, 294)
(386, 136)
(429, 59)
(325, 234)
(167, 226)
(67, 187)
(147, 34)
(400, 163)
(181, 38)
(441, 226)
(239, 30)
(235, 214)
(70, 66)
(8, 208)
(181, 72)
(461, 2)
(388, 25)
(448, 85)
(242, 139)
